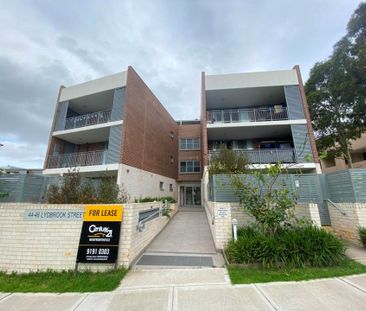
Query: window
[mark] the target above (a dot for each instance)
(190, 166)
(190, 143)
(161, 185)
(171, 187)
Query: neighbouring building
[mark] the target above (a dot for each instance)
(115, 125)
(358, 154)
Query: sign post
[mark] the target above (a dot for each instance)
(100, 233)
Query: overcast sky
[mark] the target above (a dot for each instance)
(44, 44)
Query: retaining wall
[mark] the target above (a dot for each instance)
(346, 226)
(220, 217)
(32, 244)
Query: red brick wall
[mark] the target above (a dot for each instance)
(189, 131)
(146, 138)
(307, 116)
(52, 140)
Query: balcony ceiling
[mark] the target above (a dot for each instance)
(252, 132)
(92, 103)
(245, 97)
(85, 135)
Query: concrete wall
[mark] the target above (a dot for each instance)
(346, 226)
(94, 86)
(220, 217)
(139, 183)
(251, 79)
(31, 245)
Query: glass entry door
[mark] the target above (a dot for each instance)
(190, 195)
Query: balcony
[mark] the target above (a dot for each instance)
(77, 159)
(266, 156)
(88, 119)
(247, 115)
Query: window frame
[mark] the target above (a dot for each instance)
(193, 142)
(190, 166)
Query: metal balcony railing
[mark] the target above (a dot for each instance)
(88, 119)
(77, 159)
(266, 156)
(247, 115)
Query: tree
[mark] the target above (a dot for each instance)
(227, 161)
(263, 198)
(336, 91)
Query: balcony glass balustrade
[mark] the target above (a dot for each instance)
(88, 119)
(247, 115)
(266, 156)
(77, 159)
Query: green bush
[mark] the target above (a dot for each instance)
(290, 247)
(362, 233)
(158, 199)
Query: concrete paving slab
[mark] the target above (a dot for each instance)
(326, 294)
(3, 295)
(359, 280)
(96, 301)
(219, 298)
(168, 277)
(356, 252)
(40, 302)
(140, 300)
(187, 232)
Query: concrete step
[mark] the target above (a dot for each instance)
(168, 260)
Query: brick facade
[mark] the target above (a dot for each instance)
(150, 135)
(189, 131)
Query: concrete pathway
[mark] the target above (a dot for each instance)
(185, 242)
(184, 290)
(357, 253)
(187, 232)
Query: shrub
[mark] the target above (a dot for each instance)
(75, 190)
(291, 247)
(362, 234)
(157, 199)
(227, 161)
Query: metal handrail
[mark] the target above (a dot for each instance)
(247, 115)
(265, 156)
(88, 119)
(141, 224)
(337, 207)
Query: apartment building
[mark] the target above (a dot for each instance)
(358, 154)
(116, 125)
(262, 114)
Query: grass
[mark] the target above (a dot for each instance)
(61, 282)
(240, 275)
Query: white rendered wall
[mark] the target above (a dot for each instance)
(94, 86)
(251, 79)
(139, 183)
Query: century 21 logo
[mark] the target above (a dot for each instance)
(100, 231)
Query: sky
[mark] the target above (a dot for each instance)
(45, 44)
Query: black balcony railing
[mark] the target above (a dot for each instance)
(88, 119)
(77, 159)
(247, 115)
(266, 156)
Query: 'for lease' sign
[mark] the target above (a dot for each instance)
(100, 233)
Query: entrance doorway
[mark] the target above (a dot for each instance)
(190, 196)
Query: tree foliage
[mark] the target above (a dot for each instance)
(261, 197)
(227, 161)
(336, 90)
(72, 189)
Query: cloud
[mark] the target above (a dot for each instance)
(169, 43)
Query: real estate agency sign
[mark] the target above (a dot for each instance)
(100, 233)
